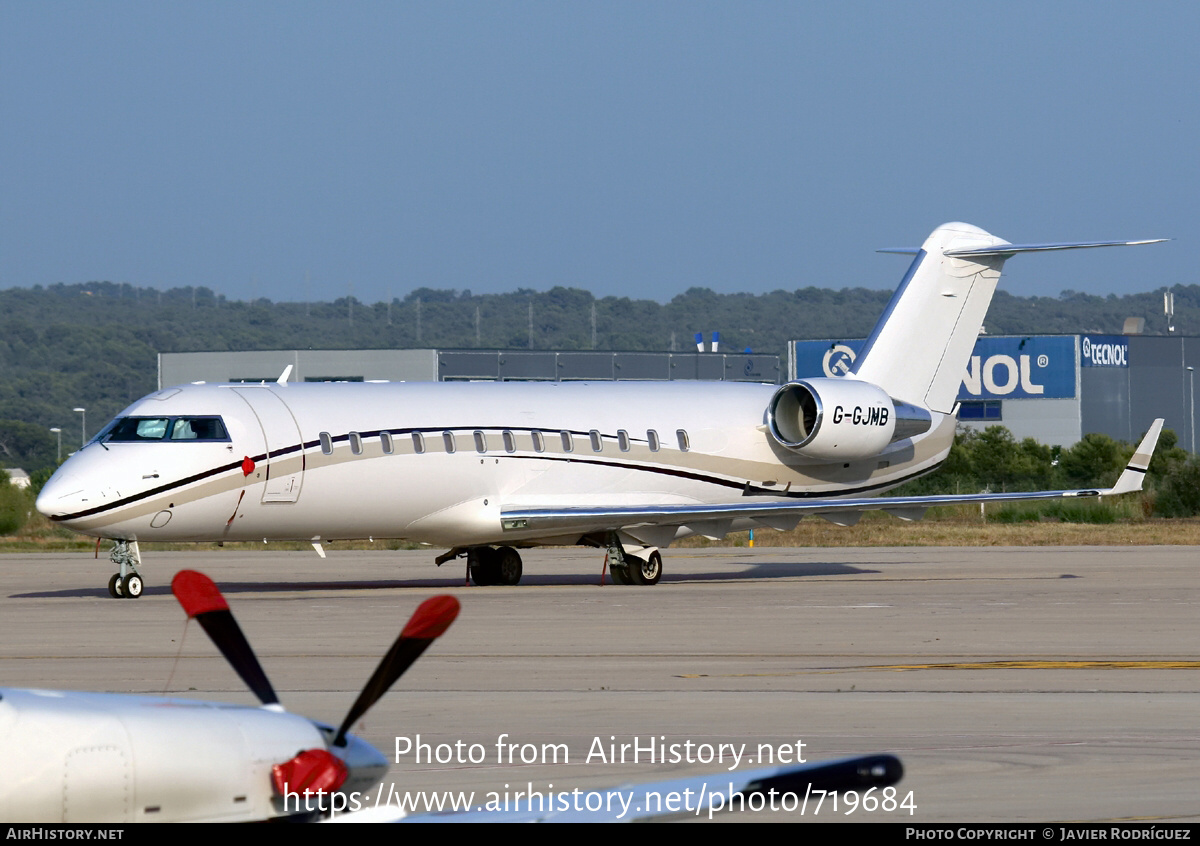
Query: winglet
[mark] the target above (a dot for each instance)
(283, 377)
(1135, 471)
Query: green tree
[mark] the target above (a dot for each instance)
(27, 446)
(1178, 492)
(14, 506)
(1094, 460)
(1004, 464)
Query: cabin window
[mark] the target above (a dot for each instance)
(418, 443)
(385, 440)
(623, 440)
(480, 441)
(682, 436)
(567, 442)
(539, 442)
(356, 443)
(510, 443)
(652, 439)
(597, 441)
(448, 441)
(326, 443)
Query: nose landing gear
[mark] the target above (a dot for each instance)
(126, 583)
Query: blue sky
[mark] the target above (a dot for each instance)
(629, 148)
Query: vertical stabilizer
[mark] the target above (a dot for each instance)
(920, 347)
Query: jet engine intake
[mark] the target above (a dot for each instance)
(840, 419)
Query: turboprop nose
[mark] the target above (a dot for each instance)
(367, 765)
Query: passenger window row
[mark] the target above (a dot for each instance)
(508, 441)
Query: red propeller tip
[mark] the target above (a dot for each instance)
(197, 593)
(432, 617)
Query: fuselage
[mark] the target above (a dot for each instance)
(436, 462)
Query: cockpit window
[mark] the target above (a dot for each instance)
(132, 429)
(198, 429)
(139, 429)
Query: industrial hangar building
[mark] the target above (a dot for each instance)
(465, 365)
(1053, 388)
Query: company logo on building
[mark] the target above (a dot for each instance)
(1001, 375)
(838, 360)
(1000, 367)
(1104, 351)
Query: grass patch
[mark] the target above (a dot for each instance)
(1091, 511)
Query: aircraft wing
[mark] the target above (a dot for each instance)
(642, 521)
(697, 796)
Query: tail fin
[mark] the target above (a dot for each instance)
(919, 349)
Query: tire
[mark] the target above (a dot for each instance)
(115, 589)
(508, 566)
(645, 571)
(620, 575)
(131, 586)
(484, 564)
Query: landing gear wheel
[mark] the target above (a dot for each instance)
(508, 566)
(645, 571)
(131, 586)
(125, 583)
(485, 566)
(620, 575)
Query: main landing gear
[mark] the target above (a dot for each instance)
(499, 566)
(644, 568)
(126, 583)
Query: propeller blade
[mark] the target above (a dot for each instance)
(430, 620)
(850, 774)
(202, 601)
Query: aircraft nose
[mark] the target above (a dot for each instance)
(60, 495)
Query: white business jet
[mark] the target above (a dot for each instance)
(71, 757)
(488, 468)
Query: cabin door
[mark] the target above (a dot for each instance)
(285, 449)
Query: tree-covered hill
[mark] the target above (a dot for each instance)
(94, 345)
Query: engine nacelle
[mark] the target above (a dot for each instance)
(840, 419)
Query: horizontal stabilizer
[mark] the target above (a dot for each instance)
(1006, 250)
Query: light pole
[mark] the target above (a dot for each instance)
(1192, 389)
(58, 432)
(82, 412)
